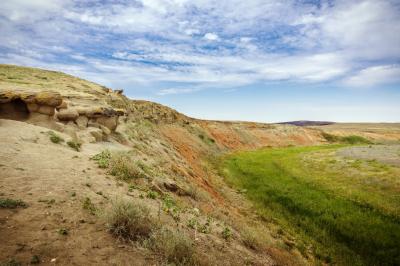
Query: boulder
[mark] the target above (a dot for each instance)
(97, 133)
(82, 121)
(109, 122)
(105, 130)
(63, 105)
(67, 115)
(32, 107)
(46, 110)
(7, 96)
(48, 98)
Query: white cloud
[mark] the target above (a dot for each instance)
(154, 41)
(211, 36)
(374, 76)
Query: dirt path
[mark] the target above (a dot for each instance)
(53, 180)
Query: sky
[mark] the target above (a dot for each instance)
(254, 60)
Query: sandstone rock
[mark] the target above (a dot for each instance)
(67, 115)
(48, 98)
(82, 122)
(32, 107)
(97, 133)
(63, 105)
(110, 122)
(27, 97)
(105, 130)
(7, 96)
(46, 110)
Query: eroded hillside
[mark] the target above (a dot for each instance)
(73, 150)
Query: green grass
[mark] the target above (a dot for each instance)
(74, 145)
(351, 139)
(343, 217)
(12, 204)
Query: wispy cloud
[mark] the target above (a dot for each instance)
(205, 44)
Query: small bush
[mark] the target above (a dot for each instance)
(74, 145)
(123, 167)
(12, 204)
(329, 137)
(87, 204)
(130, 221)
(226, 233)
(173, 246)
(102, 158)
(55, 138)
(10, 262)
(152, 194)
(354, 139)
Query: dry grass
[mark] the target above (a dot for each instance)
(173, 246)
(130, 221)
(123, 167)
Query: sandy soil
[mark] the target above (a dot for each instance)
(35, 170)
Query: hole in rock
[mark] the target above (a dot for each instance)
(14, 110)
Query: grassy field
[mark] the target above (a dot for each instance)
(345, 211)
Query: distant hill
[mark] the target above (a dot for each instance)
(303, 123)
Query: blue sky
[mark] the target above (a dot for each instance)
(256, 60)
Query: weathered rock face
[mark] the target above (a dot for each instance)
(48, 108)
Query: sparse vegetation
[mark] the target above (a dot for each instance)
(74, 145)
(63, 231)
(11, 262)
(103, 158)
(173, 246)
(88, 205)
(352, 139)
(55, 138)
(123, 167)
(12, 204)
(226, 233)
(130, 221)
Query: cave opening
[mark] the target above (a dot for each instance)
(14, 110)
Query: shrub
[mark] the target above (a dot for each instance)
(55, 138)
(173, 246)
(354, 139)
(152, 194)
(122, 166)
(226, 233)
(329, 137)
(102, 158)
(130, 221)
(10, 262)
(87, 204)
(12, 204)
(74, 145)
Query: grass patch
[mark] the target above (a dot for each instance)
(122, 166)
(103, 158)
(173, 246)
(88, 205)
(55, 138)
(130, 221)
(74, 145)
(12, 204)
(343, 228)
(352, 139)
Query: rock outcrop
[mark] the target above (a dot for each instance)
(51, 109)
